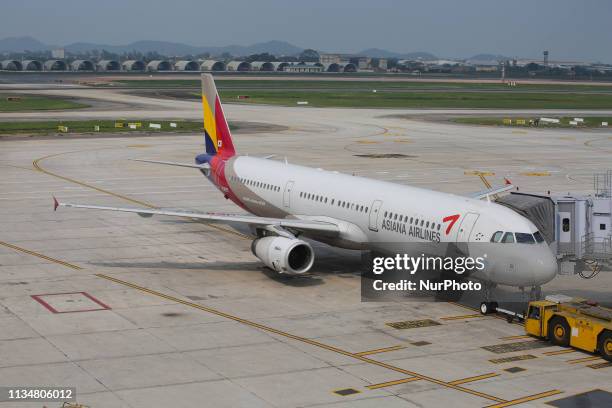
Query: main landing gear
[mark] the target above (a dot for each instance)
(488, 306)
(534, 294)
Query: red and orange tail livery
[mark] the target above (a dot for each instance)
(216, 131)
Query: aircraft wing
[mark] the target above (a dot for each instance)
(491, 191)
(295, 224)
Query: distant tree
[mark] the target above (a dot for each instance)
(288, 58)
(261, 57)
(309, 55)
(152, 56)
(106, 55)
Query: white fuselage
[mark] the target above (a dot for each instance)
(372, 214)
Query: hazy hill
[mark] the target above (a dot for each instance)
(178, 49)
(18, 44)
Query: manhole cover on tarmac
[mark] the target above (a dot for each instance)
(346, 391)
(514, 369)
(591, 399)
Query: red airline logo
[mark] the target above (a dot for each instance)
(453, 219)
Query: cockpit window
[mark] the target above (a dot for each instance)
(497, 236)
(508, 238)
(538, 237)
(524, 238)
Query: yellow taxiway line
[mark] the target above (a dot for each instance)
(584, 360)
(522, 336)
(390, 383)
(556, 352)
(380, 350)
(36, 254)
(525, 399)
(475, 378)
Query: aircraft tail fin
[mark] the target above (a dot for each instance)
(216, 130)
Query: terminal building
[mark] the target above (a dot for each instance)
(328, 63)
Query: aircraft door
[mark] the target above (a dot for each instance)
(374, 210)
(466, 227)
(287, 194)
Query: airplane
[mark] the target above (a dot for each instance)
(289, 202)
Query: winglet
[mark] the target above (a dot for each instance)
(55, 203)
(507, 181)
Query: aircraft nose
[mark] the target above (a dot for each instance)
(544, 266)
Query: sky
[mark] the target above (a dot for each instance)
(570, 30)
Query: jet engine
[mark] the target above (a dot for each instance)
(284, 255)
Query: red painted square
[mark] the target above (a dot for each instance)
(70, 302)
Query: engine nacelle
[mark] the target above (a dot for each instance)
(284, 255)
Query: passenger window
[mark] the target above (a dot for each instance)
(497, 236)
(566, 224)
(538, 237)
(602, 227)
(427, 225)
(524, 238)
(422, 222)
(508, 238)
(366, 210)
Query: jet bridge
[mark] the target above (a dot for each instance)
(577, 227)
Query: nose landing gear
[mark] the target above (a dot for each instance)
(535, 293)
(488, 306)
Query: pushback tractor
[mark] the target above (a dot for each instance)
(571, 322)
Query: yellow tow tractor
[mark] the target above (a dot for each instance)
(567, 321)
